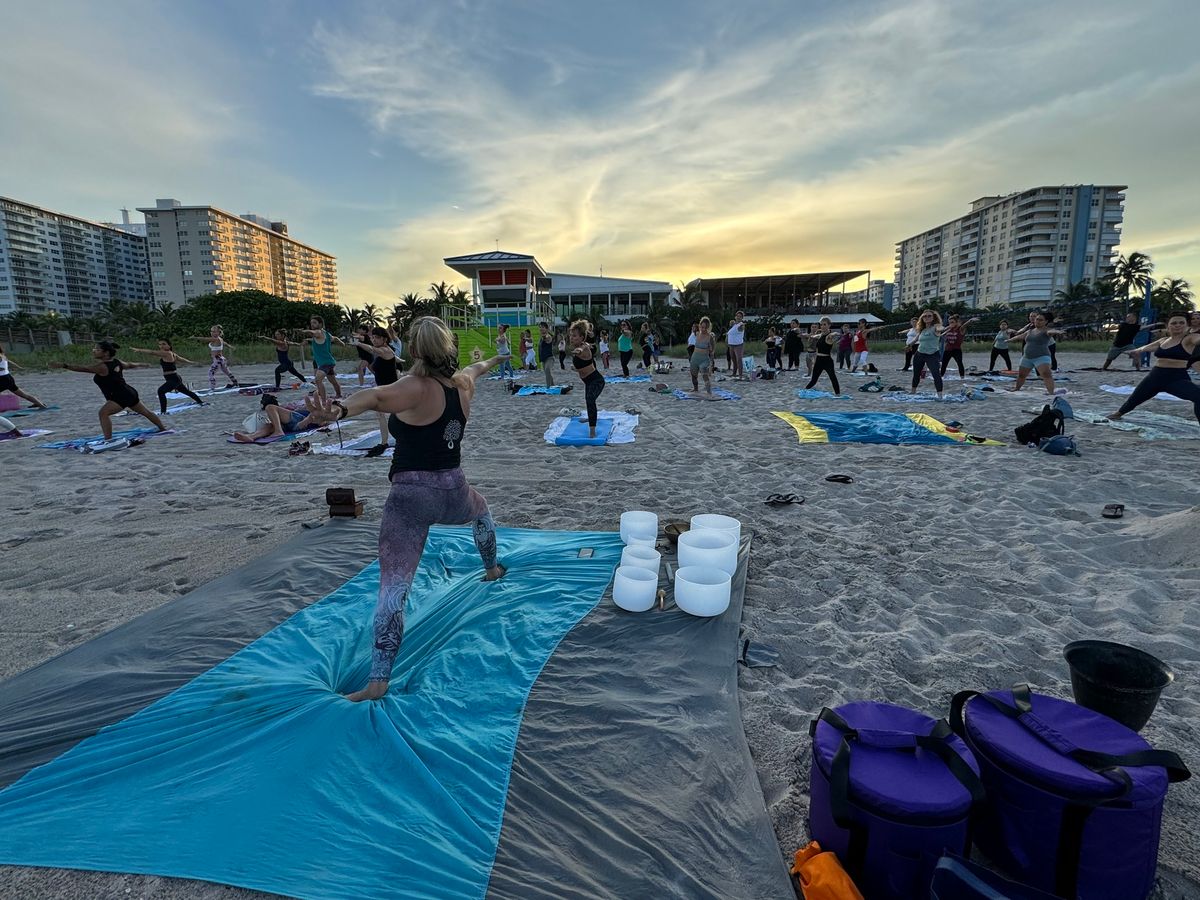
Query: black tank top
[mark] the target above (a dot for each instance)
(112, 385)
(432, 447)
(1178, 352)
(824, 344)
(167, 367)
(385, 370)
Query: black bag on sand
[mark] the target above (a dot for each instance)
(1048, 423)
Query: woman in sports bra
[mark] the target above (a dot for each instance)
(1036, 355)
(427, 414)
(172, 383)
(584, 359)
(702, 359)
(824, 343)
(107, 372)
(216, 349)
(321, 342)
(385, 371)
(1169, 374)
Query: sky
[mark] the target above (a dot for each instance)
(662, 139)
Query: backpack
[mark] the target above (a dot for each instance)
(1048, 423)
(1059, 445)
(1063, 407)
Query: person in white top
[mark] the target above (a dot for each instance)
(735, 339)
(8, 383)
(604, 354)
(910, 342)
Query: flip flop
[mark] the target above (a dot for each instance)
(783, 499)
(840, 479)
(1114, 511)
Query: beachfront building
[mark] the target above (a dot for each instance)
(514, 289)
(877, 291)
(1019, 249)
(197, 250)
(811, 292)
(55, 263)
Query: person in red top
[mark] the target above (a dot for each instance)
(858, 345)
(954, 335)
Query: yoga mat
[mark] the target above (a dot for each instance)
(25, 411)
(623, 426)
(274, 439)
(81, 443)
(25, 433)
(1124, 390)
(578, 434)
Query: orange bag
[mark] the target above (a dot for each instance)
(821, 876)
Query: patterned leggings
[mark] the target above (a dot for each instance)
(592, 386)
(417, 501)
(218, 362)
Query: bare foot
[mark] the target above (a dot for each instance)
(373, 691)
(495, 573)
(244, 438)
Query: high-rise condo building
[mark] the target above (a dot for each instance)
(1019, 249)
(198, 250)
(51, 262)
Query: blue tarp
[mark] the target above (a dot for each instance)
(873, 428)
(258, 773)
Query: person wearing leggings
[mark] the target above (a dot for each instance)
(929, 333)
(584, 359)
(955, 334)
(1169, 374)
(427, 415)
(282, 356)
(647, 341)
(625, 347)
(216, 349)
(1000, 348)
(172, 383)
(824, 343)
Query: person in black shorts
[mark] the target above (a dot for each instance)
(108, 373)
(1123, 342)
(8, 383)
(172, 383)
(283, 357)
(584, 358)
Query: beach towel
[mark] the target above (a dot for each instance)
(210, 393)
(26, 411)
(1124, 390)
(621, 379)
(99, 439)
(276, 438)
(806, 394)
(25, 433)
(356, 446)
(717, 394)
(901, 397)
(531, 389)
(1149, 426)
(171, 410)
(517, 375)
(874, 428)
(620, 431)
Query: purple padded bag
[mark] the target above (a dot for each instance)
(1074, 799)
(891, 791)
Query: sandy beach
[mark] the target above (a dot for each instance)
(939, 569)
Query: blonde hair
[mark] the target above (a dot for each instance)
(705, 320)
(581, 327)
(431, 345)
(937, 319)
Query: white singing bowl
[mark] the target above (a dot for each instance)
(647, 542)
(634, 588)
(641, 556)
(701, 590)
(638, 523)
(709, 547)
(718, 523)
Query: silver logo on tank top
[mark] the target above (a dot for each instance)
(452, 433)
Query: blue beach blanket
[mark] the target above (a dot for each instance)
(81, 443)
(807, 394)
(621, 379)
(531, 389)
(717, 394)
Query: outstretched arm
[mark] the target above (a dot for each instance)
(12, 362)
(161, 354)
(393, 398)
(97, 369)
(183, 359)
(476, 370)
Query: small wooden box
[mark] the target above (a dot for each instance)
(351, 510)
(339, 496)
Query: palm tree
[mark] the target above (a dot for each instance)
(411, 306)
(353, 317)
(1079, 292)
(1132, 272)
(370, 314)
(441, 294)
(1172, 295)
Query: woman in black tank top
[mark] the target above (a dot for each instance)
(172, 383)
(427, 413)
(107, 373)
(823, 362)
(584, 358)
(383, 359)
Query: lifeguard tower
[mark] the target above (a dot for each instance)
(507, 289)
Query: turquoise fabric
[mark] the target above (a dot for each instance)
(576, 433)
(873, 428)
(260, 774)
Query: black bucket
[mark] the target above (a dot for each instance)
(1122, 682)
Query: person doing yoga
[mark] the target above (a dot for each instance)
(1169, 372)
(8, 383)
(625, 347)
(172, 383)
(279, 421)
(954, 335)
(584, 358)
(824, 342)
(386, 372)
(1123, 342)
(604, 355)
(504, 351)
(428, 412)
(361, 341)
(910, 344)
(793, 343)
(735, 341)
(1000, 347)
(108, 373)
(321, 343)
(283, 357)
(928, 350)
(546, 351)
(1036, 355)
(703, 356)
(216, 349)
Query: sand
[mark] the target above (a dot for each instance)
(939, 569)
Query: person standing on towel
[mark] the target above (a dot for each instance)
(1169, 374)
(910, 344)
(735, 340)
(169, 360)
(604, 355)
(428, 411)
(546, 351)
(216, 349)
(860, 349)
(283, 359)
(321, 342)
(584, 359)
(702, 359)
(1123, 342)
(824, 342)
(792, 344)
(1036, 355)
(1000, 348)
(929, 334)
(8, 383)
(108, 373)
(503, 351)
(954, 336)
(625, 347)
